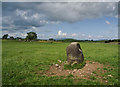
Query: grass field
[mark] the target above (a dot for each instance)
(22, 60)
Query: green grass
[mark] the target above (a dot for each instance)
(75, 66)
(70, 76)
(21, 61)
(94, 72)
(93, 78)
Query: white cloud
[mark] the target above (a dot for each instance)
(64, 34)
(83, 34)
(18, 34)
(107, 22)
(74, 34)
(61, 34)
(89, 36)
(100, 36)
(116, 35)
(21, 13)
(33, 27)
(55, 22)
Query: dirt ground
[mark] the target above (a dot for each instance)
(91, 70)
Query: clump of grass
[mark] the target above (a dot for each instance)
(94, 72)
(70, 76)
(108, 69)
(93, 78)
(75, 66)
(90, 62)
(98, 68)
(105, 68)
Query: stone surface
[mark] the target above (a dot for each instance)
(56, 65)
(74, 53)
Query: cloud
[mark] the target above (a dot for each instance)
(89, 36)
(14, 34)
(100, 36)
(83, 34)
(18, 34)
(40, 14)
(60, 33)
(72, 12)
(27, 16)
(107, 22)
(74, 34)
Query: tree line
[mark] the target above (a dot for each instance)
(32, 36)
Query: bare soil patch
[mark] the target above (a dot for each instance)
(91, 71)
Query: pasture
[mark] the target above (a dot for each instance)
(24, 63)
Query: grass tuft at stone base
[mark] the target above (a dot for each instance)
(75, 66)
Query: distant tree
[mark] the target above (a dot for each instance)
(109, 40)
(106, 41)
(69, 40)
(31, 36)
(51, 39)
(118, 40)
(5, 36)
(92, 40)
(12, 38)
(17, 38)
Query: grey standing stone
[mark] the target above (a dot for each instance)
(74, 53)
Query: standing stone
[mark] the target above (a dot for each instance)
(74, 53)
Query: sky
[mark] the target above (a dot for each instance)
(77, 20)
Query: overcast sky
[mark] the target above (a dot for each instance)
(78, 20)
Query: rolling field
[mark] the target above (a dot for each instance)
(22, 62)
